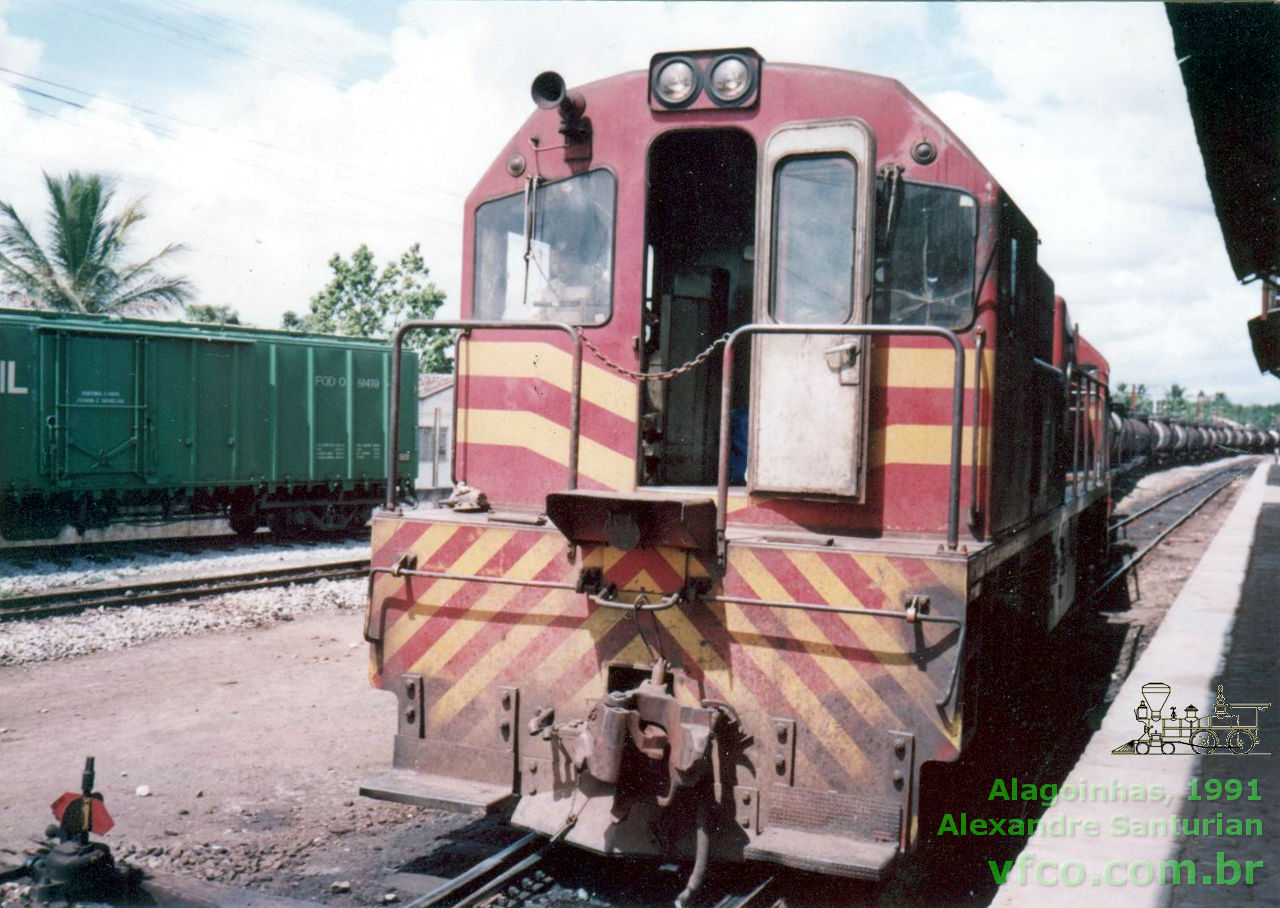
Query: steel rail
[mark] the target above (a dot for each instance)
(1142, 553)
(68, 600)
(1172, 495)
(466, 326)
(488, 889)
(488, 865)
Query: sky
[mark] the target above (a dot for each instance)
(266, 135)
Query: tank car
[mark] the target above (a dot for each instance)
(109, 420)
(1138, 439)
(786, 472)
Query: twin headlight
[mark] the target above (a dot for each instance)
(702, 79)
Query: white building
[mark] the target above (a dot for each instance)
(435, 433)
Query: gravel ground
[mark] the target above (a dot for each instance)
(232, 757)
(103, 630)
(20, 573)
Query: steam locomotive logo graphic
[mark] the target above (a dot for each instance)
(1232, 728)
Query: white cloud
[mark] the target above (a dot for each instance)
(17, 52)
(1089, 132)
(317, 134)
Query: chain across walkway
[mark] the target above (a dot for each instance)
(654, 376)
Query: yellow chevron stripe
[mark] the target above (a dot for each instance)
(879, 641)
(521, 429)
(896, 586)
(927, 368)
(474, 558)
(436, 535)
(570, 651)
(809, 708)
(872, 630)
(898, 367)
(635, 653)
(719, 673)
(548, 363)
(677, 558)
(485, 669)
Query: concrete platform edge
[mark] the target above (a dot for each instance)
(1204, 610)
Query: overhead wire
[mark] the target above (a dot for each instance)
(295, 182)
(190, 9)
(176, 36)
(368, 176)
(278, 169)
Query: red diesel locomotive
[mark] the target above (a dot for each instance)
(786, 448)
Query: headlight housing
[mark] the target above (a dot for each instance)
(705, 79)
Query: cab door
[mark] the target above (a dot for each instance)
(813, 249)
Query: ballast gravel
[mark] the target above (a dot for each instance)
(1161, 482)
(103, 630)
(23, 573)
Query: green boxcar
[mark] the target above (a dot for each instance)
(107, 419)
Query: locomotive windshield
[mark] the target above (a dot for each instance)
(568, 274)
(925, 277)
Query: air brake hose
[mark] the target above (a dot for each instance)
(701, 855)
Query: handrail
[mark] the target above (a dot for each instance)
(1101, 396)
(957, 409)
(1087, 397)
(466, 325)
(975, 511)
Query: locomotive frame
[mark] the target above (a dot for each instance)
(652, 643)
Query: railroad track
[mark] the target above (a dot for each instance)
(75, 599)
(534, 872)
(106, 549)
(1164, 515)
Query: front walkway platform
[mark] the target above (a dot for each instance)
(1129, 828)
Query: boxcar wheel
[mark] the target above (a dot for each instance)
(244, 519)
(283, 524)
(243, 525)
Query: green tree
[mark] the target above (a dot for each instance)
(211, 312)
(82, 268)
(362, 301)
(1136, 397)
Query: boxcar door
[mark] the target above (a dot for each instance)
(99, 427)
(808, 412)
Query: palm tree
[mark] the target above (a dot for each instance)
(82, 270)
